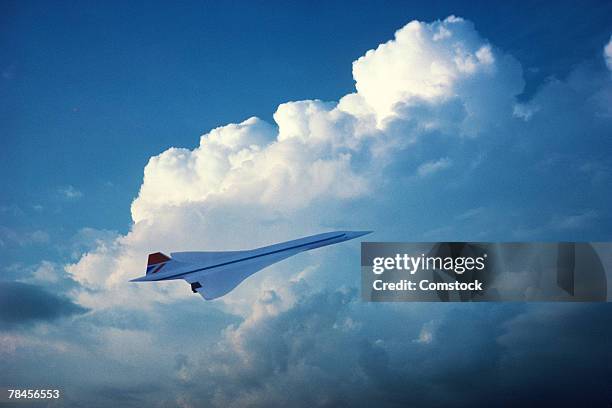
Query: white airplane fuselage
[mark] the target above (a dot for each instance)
(214, 274)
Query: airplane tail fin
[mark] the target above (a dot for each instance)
(156, 262)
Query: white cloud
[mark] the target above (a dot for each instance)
(434, 63)
(244, 162)
(70, 193)
(433, 166)
(46, 272)
(22, 238)
(426, 335)
(524, 111)
(608, 54)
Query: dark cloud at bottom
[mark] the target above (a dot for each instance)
(329, 349)
(23, 304)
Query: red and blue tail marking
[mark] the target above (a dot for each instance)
(156, 262)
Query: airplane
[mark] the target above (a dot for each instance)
(215, 274)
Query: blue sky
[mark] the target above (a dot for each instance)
(510, 143)
(94, 90)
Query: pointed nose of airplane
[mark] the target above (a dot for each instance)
(356, 234)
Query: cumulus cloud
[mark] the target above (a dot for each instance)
(276, 181)
(238, 163)
(433, 64)
(310, 153)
